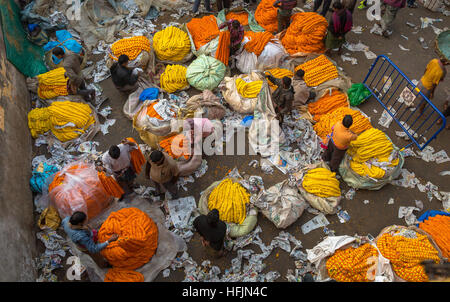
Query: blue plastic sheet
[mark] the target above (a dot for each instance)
(38, 179)
(149, 94)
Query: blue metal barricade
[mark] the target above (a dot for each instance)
(402, 100)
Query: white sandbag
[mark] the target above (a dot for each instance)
(234, 99)
(282, 204)
(246, 62)
(271, 56)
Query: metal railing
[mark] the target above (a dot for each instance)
(402, 100)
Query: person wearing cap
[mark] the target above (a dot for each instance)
(338, 143)
(163, 173)
(36, 34)
(212, 231)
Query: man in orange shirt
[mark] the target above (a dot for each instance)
(339, 141)
(434, 74)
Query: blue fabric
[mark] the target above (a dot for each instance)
(149, 94)
(247, 121)
(431, 213)
(83, 237)
(66, 42)
(32, 27)
(38, 179)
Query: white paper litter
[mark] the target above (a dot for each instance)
(403, 48)
(391, 201)
(180, 211)
(104, 127)
(315, 223)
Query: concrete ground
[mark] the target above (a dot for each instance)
(365, 218)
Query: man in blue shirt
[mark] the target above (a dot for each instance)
(82, 235)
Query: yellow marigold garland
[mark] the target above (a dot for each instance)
(230, 199)
(248, 90)
(174, 78)
(171, 44)
(321, 182)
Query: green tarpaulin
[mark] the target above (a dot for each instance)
(21, 52)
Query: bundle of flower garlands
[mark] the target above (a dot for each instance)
(326, 122)
(171, 44)
(266, 15)
(318, 71)
(131, 47)
(328, 103)
(321, 182)
(371, 153)
(230, 199)
(203, 30)
(257, 41)
(174, 78)
(278, 73)
(176, 146)
(52, 84)
(248, 89)
(406, 254)
(242, 17)
(352, 264)
(305, 34)
(439, 228)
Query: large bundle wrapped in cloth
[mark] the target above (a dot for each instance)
(66, 120)
(241, 92)
(406, 248)
(205, 73)
(319, 186)
(371, 161)
(137, 243)
(80, 187)
(231, 200)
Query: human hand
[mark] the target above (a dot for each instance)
(113, 238)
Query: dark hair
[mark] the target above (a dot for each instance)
(77, 218)
(114, 152)
(338, 5)
(123, 59)
(235, 23)
(156, 156)
(213, 217)
(347, 121)
(58, 51)
(300, 73)
(287, 81)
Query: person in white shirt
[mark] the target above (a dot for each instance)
(117, 162)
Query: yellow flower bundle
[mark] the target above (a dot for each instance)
(321, 182)
(67, 120)
(439, 228)
(328, 103)
(352, 264)
(305, 34)
(318, 71)
(230, 200)
(171, 44)
(248, 90)
(278, 73)
(406, 255)
(372, 144)
(174, 78)
(326, 122)
(131, 47)
(52, 84)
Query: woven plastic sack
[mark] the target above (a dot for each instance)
(234, 99)
(327, 205)
(207, 104)
(357, 94)
(205, 73)
(397, 228)
(443, 44)
(357, 181)
(282, 204)
(236, 230)
(77, 187)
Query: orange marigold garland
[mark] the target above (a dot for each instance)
(318, 71)
(352, 264)
(328, 103)
(439, 229)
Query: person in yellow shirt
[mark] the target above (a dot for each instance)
(339, 141)
(434, 74)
